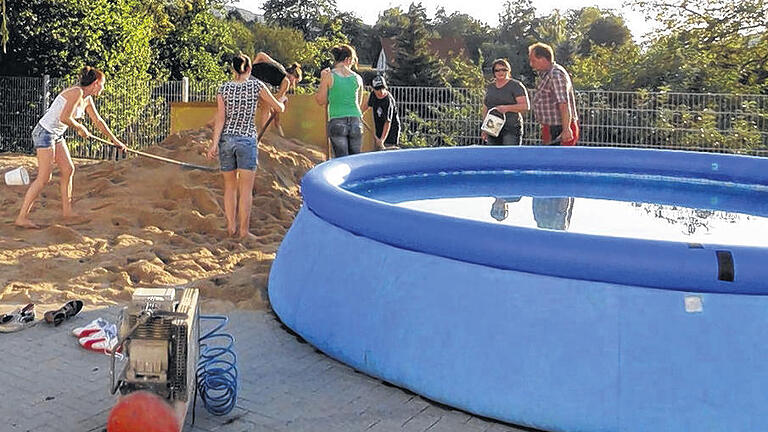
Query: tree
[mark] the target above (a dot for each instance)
(606, 68)
(190, 41)
(283, 44)
(58, 37)
(717, 45)
(459, 25)
(304, 15)
(391, 23)
(517, 30)
(609, 31)
(359, 35)
(416, 65)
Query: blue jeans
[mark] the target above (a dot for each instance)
(346, 135)
(41, 138)
(506, 138)
(238, 152)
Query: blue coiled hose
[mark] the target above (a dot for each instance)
(217, 369)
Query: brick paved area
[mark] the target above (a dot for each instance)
(50, 384)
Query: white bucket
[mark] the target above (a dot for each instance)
(16, 177)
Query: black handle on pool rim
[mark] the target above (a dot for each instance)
(160, 158)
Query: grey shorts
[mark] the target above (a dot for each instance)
(238, 152)
(42, 138)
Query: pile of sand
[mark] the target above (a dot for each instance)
(150, 224)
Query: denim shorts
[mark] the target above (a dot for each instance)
(41, 138)
(238, 152)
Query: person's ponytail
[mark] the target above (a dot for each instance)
(241, 63)
(89, 75)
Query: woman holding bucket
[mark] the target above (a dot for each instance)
(509, 98)
(234, 139)
(48, 139)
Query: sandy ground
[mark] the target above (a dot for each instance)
(148, 224)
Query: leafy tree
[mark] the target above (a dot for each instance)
(416, 64)
(359, 35)
(517, 30)
(518, 21)
(242, 36)
(317, 53)
(463, 73)
(391, 23)
(718, 45)
(609, 31)
(304, 15)
(190, 41)
(58, 37)
(283, 44)
(459, 25)
(606, 68)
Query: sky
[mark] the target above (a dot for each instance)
(483, 10)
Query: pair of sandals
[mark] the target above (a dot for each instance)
(17, 320)
(25, 317)
(58, 316)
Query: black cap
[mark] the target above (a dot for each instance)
(379, 82)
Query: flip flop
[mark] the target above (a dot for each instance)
(70, 309)
(18, 319)
(103, 341)
(94, 326)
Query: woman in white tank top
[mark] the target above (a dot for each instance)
(48, 139)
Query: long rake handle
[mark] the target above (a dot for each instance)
(160, 158)
(266, 125)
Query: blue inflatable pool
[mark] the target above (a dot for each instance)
(491, 279)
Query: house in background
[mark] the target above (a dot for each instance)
(443, 48)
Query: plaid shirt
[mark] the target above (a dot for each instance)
(554, 87)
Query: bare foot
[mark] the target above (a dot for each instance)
(26, 223)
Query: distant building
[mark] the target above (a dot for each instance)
(245, 15)
(444, 48)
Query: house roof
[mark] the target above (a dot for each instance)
(443, 47)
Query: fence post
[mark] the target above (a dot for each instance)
(46, 91)
(185, 89)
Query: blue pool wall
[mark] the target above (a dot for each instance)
(536, 349)
(659, 264)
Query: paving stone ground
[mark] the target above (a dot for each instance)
(50, 384)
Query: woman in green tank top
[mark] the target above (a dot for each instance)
(342, 90)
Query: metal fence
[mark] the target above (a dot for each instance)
(139, 113)
(683, 121)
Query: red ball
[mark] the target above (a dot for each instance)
(142, 411)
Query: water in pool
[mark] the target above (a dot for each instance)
(619, 205)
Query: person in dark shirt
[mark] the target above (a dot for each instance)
(509, 97)
(385, 116)
(266, 69)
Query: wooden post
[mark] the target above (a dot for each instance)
(328, 147)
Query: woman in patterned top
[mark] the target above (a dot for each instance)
(234, 139)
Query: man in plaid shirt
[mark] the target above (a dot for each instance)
(554, 103)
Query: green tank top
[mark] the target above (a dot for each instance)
(342, 97)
